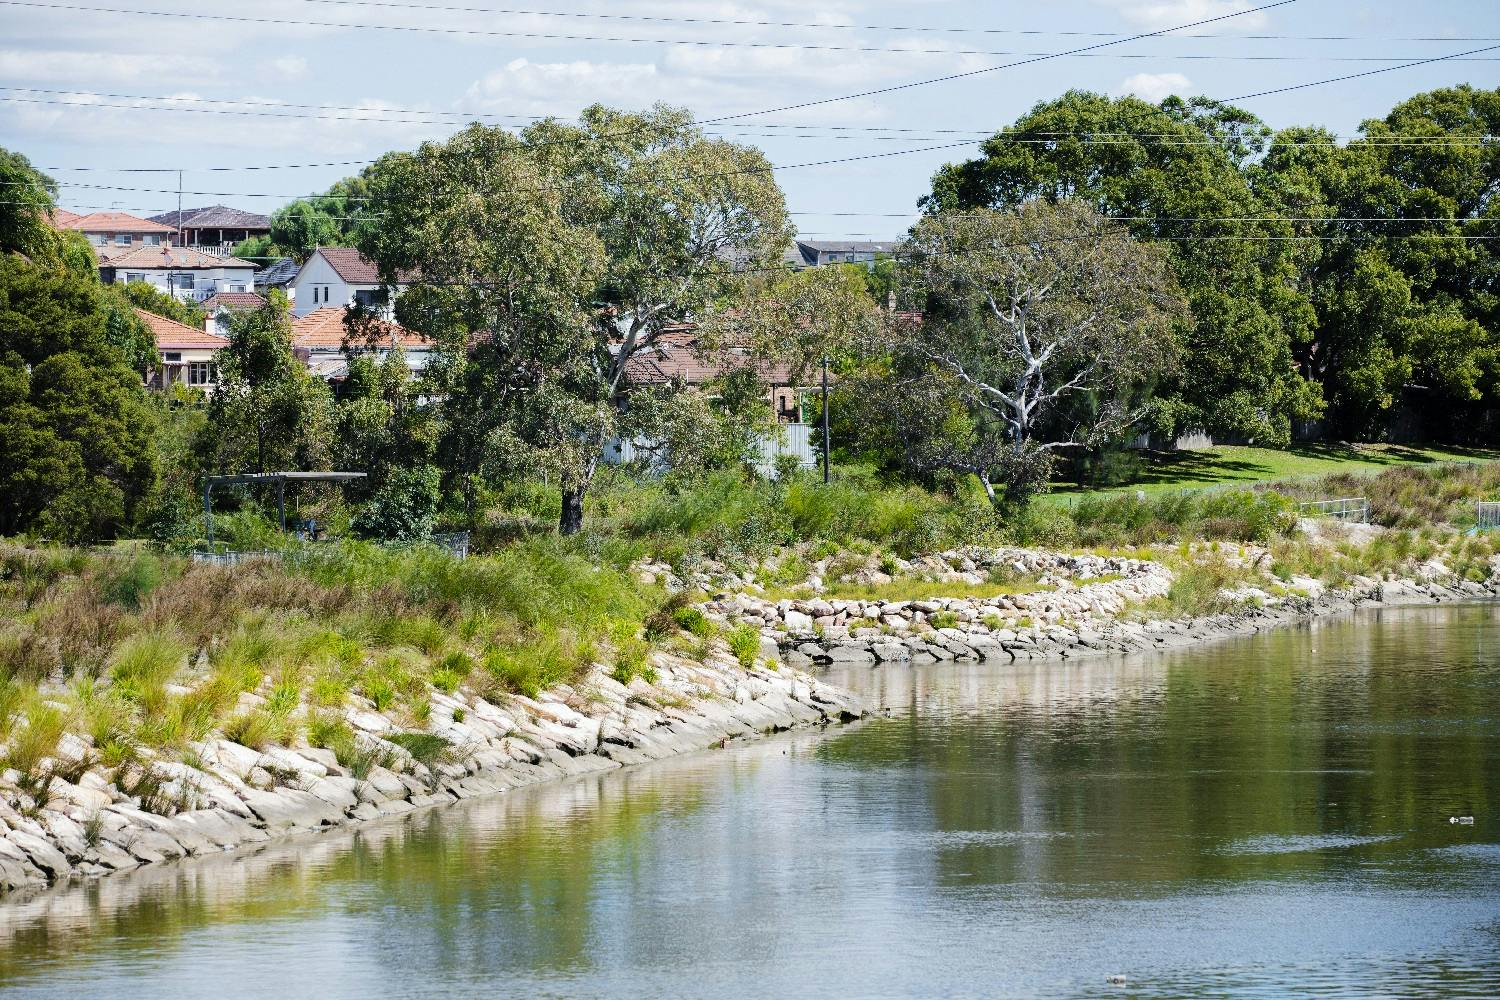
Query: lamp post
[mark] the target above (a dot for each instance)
(825, 420)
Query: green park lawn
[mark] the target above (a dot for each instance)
(1229, 464)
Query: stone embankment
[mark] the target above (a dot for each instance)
(237, 796)
(1073, 618)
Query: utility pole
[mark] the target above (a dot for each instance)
(826, 446)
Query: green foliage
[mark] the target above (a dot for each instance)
(744, 643)
(694, 621)
(404, 507)
(943, 619)
(269, 412)
(73, 415)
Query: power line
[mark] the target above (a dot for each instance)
(894, 88)
(1369, 72)
(700, 42)
(932, 29)
(1083, 53)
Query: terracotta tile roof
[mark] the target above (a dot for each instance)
(354, 267)
(232, 300)
(674, 355)
(214, 217)
(61, 218)
(175, 259)
(114, 222)
(173, 336)
(323, 329)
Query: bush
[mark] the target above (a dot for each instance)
(695, 621)
(744, 643)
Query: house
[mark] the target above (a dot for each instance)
(677, 356)
(817, 253)
(185, 354)
(334, 277)
(216, 227)
(186, 273)
(114, 233)
(322, 338)
(218, 305)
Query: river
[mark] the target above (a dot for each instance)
(1257, 818)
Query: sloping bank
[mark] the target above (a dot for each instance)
(1092, 606)
(241, 796)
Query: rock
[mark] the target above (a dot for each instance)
(41, 853)
(291, 808)
(850, 654)
(797, 621)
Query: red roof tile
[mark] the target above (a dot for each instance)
(354, 267)
(174, 259)
(113, 222)
(232, 300)
(172, 335)
(675, 355)
(324, 329)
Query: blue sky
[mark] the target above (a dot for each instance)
(435, 77)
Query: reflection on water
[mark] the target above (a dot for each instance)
(1256, 818)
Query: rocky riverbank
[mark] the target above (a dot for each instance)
(1092, 606)
(222, 795)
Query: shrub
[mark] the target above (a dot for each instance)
(943, 619)
(630, 659)
(695, 621)
(452, 671)
(744, 643)
(129, 581)
(32, 745)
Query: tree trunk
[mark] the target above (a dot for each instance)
(571, 521)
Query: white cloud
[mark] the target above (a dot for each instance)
(290, 67)
(71, 66)
(1155, 87)
(1154, 15)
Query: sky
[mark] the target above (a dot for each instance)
(262, 102)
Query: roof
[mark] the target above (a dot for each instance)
(848, 246)
(61, 217)
(113, 222)
(354, 267)
(232, 300)
(323, 329)
(279, 273)
(675, 355)
(170, 258)
(172, 335)
(214, 217)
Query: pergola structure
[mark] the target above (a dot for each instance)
(263, 478)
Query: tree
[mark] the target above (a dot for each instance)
(1048, 321)
(1176, 172)
(268, 412)
(76, 453)
(567, 250)
(25, 211)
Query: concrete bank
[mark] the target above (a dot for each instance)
(234, 796)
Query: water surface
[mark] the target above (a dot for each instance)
(1259, 818)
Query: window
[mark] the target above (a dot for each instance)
(202, 373)
(132, 277)
(122, 239)
(367, 297)
(171, 357)
(183, 280)
(153, 240)
(98, 239)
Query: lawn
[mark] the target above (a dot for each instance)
(1229, 464)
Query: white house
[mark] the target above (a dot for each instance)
(334, 277)
(220, 305)
(184, 354)
(324, 341)
(184, 272)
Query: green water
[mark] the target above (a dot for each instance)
(1266, 817)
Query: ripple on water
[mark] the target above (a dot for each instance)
(1295, 843)
(1484, 853)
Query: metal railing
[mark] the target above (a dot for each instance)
(455, 544)
(1355, 509)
